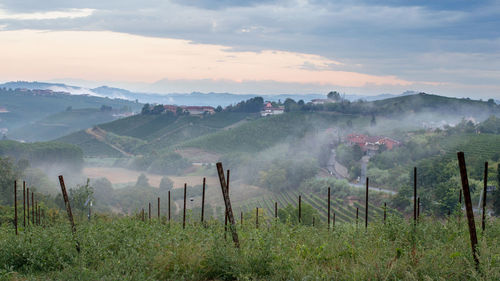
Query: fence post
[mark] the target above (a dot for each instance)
(15, 205)
(485, 187)
(184, 211)
(159, 215)
(313, 221)
(241, 219)
(33, 208)
(468, 206)
(366, 205)
(68, 209)
(275, 210)
(28, 205)
(357, 216)
(385, 211)
(414, 195)
(169, 205)
(418, 209)
(149, 211)
(24, 204)
(256, 217)
(300, 209)
(227, 203)
(203, 201)
(225, 208)
(328, 209)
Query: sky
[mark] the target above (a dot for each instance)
(262, 47)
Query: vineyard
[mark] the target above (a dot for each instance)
(345, 211)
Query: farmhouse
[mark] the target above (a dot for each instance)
(322, 101)
(270, 110)
(193, 110)
(199, 110)
(372, 143)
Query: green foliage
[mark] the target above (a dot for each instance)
(8, 174)
(42, 153)
(128, 249)
(170, 163)
(250, 105)
(291, 214)
(61, 124)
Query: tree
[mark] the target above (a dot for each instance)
(334, 95)
(142, 181)
(78, 196)
(8, 174)
(166, 184)
(218, 109)
(146, 109)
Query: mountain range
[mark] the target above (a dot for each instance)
(194, 98)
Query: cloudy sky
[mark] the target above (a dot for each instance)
(448, 47)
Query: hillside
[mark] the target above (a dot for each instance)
(21, 107)
(61, 124)
(437, 104)
(140, 133)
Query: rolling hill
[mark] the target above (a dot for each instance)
(22, 107)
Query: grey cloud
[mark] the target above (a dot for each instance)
(415, 40)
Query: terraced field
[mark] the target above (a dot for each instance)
(344, 211)
(482, 146)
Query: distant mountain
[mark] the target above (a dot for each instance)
(194, 98)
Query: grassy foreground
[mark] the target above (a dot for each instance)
(129, 249)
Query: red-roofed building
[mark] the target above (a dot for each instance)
(372, 142)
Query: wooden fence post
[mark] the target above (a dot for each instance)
(33, 208)
(385, 211)
(328, 209)
(418, 209)
(414, 195)
(159, 215)
(203, 201)
(225, 209)
(169, 205)
(366, 205)
(485, 187)
(15, 205)
(300, 209)
(149, 211)
(357, 216)
(256, 217)
(275, 210)
(24, 204)
(68, 209)
(184, 211)
(227, 203)
(468, 206)
(28, 205)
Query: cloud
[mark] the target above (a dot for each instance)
(47, 15)
(395, 38)
(119, 56)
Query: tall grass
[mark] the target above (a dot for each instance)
(129, 249)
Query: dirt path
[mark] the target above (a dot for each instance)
(100, 135)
